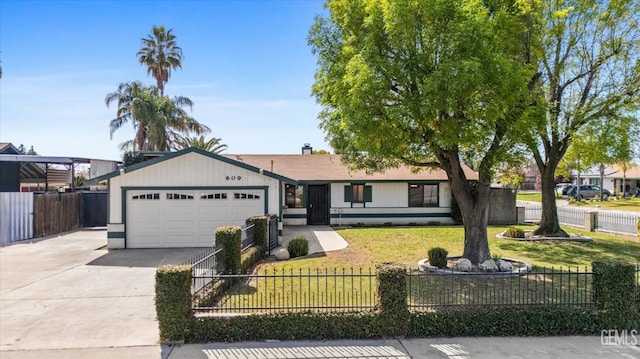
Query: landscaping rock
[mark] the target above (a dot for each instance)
(282, 254)
(488, 266)
(505, 266)
(463, 265)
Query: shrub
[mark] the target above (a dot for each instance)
(513, 232)
(261, 229)
(173, 302)
(638, 227)
(298, 247)
(229, 238)
(438, 257)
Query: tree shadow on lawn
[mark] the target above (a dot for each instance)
(557, 252)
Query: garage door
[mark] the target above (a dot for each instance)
(174, 218)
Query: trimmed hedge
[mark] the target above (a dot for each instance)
(392, 299)
(614, 288)
(173, 302)
(261, 233)
(230, 238)
(513, 232)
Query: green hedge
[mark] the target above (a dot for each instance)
(530, 321)
(614, 288)
(392, 299)
(173, 302)
(230, 238)
(261, 230)
(286, 326)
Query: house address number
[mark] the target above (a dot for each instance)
(233, 178)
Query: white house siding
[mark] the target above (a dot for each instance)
(389, 206)
(192, 171)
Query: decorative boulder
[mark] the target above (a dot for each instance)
(488, 266)
(282, 254)
(463, 265)
(505, 266)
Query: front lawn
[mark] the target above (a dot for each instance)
(408, 245)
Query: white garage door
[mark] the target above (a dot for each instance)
(189, 218)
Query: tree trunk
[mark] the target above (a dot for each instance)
(474, 206)
(549, 224)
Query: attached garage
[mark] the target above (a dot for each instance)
(186, 218)
(179, 199)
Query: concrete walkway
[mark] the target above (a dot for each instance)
(321, 238)
(449, 348)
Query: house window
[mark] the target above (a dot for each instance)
(178, 196)
(294, 196)
(147, 196)
(357, 193)
(214, 196)
(423, 195)
(245, 196)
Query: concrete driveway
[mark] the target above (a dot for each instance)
(67, 296)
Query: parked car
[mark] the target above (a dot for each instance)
(566, 190)
(587, 192)
(562, 188)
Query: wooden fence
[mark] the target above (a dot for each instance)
(57, 212)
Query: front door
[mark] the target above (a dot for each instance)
(318, 204)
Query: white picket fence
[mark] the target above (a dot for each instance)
(606, 220)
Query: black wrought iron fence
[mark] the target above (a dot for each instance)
(204, 266)
(546, 287)
(318, 290)
(248, 236)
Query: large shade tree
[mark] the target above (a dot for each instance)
(435, 83)
(158, 120)
(160, 54)
(588, 55)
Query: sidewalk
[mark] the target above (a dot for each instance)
(451, 348)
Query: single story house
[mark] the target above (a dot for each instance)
(613, 178)
(179, 199)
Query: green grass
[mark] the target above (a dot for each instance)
(304, 281)
(529, 196)
(626, 204)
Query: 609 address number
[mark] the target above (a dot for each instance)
(233, 178)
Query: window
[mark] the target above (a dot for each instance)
(214, 196)
(294, 196)
(178, 196)
(147, 196)
(245, 196)
(423, 195)
(357, 193)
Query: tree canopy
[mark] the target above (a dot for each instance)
(588, 77)
(160, 53)
(158, 120)
(432, 83)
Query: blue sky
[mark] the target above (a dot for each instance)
(246, 66)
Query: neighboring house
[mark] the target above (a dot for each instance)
(179, 199)
(592, 177)
(613, 178)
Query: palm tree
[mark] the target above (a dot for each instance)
(157, 120)
(160, 54)
(212, 145)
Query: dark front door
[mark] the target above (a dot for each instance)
(318, 204)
